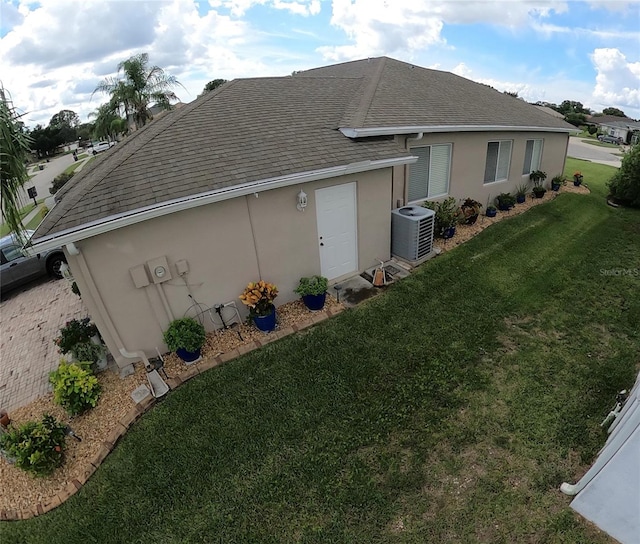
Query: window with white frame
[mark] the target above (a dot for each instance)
(429, 175)
(498, 161)
(532, 156)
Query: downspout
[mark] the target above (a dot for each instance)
(405, 188)
(73, 250)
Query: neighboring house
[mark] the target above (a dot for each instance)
(618, 127)
(207, 199)
(550, 111)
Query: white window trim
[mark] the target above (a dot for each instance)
(428, 196)
(501, 180)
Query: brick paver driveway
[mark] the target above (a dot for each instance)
(30, 318)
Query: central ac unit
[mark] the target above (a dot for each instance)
(412, 232)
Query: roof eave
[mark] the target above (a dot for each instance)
(107, 224)
(389, 131)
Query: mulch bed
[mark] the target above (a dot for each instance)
(21, 491)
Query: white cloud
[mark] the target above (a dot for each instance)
(617, 81)
(62, 43)
(299, 8)
(378, 27)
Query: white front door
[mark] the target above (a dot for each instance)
(336, 215)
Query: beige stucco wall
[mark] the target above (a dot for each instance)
(468, 158)
(227, 245)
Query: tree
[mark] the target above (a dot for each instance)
(65, 118)
(213, 85)
(571, 106)
(613, 111)
(624, 186)
(14, 149)
(105, 116)
(511, 93)
(576, 119)
(136, 86)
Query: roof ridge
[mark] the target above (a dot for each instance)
(369, 92)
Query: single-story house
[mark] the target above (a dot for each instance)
(618, 127)
(278, 178)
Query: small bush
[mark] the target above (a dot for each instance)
(75, 388)
(75, 332)
(624, 186)
(59, 182)
(87, 351)
(37, 446)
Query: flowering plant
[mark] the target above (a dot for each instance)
(577, 173)
(259, 296)
(75, 332)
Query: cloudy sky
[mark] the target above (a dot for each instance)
(54, 52)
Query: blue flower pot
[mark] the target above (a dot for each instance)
(448, 232)
(266, 323)
(188, 356)
(314, 302)
(520, 199)
(492, 212)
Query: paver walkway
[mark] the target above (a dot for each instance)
(30, 318)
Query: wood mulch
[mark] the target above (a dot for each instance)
(466, 232)
(21, 491)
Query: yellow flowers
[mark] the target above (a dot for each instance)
(259, 296)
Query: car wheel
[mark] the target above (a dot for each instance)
(53, 265)
(95, 152)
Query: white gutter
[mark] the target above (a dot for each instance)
(113, 222)
(389, 131)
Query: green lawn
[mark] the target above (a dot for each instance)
(4, 229)
(448, 410)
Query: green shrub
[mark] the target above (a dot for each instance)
(624, 186)
(185, 333)
(87, 351)
(593, 129)
(75, 388)
(37, 446)
(59, 182)
(75, 332)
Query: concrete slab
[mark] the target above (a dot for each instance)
(140, 393)
(353, 291)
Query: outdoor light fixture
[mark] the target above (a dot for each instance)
(302, 201)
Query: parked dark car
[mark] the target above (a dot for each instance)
(18, 266)
(605, 138)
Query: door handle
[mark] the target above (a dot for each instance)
(12, 265)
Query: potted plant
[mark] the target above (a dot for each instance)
(577, 178)
(492, 211)
(556, 182)
(448, 214)
(505, 201)
(313, 291)
(185, 336)
(259, 296)
(470, 211)
(537, 176)
(521, 194)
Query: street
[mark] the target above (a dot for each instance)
(603, 155)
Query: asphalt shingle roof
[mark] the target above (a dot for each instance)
(254, 129)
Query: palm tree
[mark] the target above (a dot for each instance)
(105, 117)
(14, 147)
(136, 86)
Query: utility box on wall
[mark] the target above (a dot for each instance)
(159, 269)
